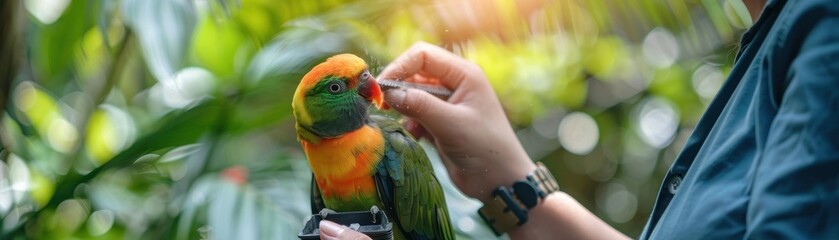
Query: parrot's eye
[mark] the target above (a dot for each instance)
(336, 87)
(365, 75)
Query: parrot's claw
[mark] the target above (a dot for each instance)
(326, 211)
(374, 210)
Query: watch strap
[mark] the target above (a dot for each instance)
(508, 207)
(502, 212)
(544, 180)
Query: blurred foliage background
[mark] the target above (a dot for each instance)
(147, 119)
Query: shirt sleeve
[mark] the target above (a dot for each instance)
(795, 193)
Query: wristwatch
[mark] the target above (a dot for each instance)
(508, 207)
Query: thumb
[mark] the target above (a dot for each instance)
(425, 108)
(330, 230)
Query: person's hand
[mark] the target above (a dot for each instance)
(330, 230)
(470, 130)
(477, 143)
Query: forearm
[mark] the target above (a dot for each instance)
(560, 216)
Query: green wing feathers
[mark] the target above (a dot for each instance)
(408, 187)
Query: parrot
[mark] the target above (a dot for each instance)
(362, 161)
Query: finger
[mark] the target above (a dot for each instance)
(330, 230)
(414, 128)
(423, 107)
(429, 59)
(417, 130)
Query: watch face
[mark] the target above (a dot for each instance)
(508, 207)
(526, 193)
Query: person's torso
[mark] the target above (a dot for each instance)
(706, 193)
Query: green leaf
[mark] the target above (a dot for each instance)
(164, 28)
(52, 54)
(177, 128)
(222, 211)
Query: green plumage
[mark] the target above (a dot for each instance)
(335, 114)
(408, 189)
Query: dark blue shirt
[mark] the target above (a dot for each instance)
(763, 162)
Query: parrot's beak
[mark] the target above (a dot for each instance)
(370, 90)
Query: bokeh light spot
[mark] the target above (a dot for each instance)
(46, 11)
(619, 204)
(38, 106)
(578, 133)
(42, 188)
(100, 222)
(110, 130)
(25, 96)
(19, 175)
(70, 214)
(466, 224)
(188, 85)
(707, 80)
(62, 135)
(657, 122)
(660, 48)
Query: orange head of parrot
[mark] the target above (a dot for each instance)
(333, 98)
